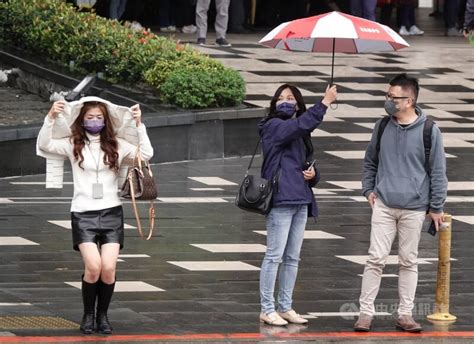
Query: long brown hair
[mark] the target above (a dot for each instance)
(108, 141)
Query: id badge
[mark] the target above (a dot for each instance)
(97, 190)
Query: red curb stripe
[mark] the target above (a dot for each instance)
(217, 336)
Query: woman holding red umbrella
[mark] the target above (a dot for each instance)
(288, 151)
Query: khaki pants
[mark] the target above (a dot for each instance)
(386, 223)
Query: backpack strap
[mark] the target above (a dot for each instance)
(383, 124)
(427, 128)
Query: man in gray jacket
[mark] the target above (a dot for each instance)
(400, 191)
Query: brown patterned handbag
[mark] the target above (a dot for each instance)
(140, 185)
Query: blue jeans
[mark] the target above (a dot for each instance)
(364, 8)
(408, 16)
(117, 8)
(451, 8)
(285, 231)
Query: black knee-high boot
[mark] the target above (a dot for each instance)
(105, 292)
(89, 293)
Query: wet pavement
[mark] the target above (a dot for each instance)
(199, 273)
(197, 279)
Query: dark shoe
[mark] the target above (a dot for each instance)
(103, 325)
(201, 41)
(453, 32)
(407, 324)
(87, 324)
(223, 43)
(364, 323)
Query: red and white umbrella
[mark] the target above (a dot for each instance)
(334, 32)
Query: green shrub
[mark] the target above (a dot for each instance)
(196, 87)
(166, 65)
(55, 30)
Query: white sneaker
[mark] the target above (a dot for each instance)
(189, 29)
(403, 31)
(273, 319)
(170, 28)
(136, 26)
(415, 31)
(293, 317)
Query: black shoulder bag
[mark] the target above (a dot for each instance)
(256, 193)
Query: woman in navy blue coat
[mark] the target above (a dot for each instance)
(288, 151)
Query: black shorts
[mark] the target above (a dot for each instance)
(98, 226)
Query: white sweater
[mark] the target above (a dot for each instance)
(86, 176)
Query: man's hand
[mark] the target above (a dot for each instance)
(371, 198)
(438, 219)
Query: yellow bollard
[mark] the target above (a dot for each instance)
(444, 270)
(253, 10)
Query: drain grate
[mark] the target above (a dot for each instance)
(35, 322)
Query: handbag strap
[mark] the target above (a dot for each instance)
(138, 158)
(260, 139)
(264, 159)
(151, 210)
(253, 155)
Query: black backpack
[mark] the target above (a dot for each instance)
(427, 127)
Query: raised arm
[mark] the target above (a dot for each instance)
(285, 131)
(146, 149)
(45, 137)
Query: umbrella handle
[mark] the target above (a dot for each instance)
(332, 73)
(332, 63)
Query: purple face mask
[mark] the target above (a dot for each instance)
(93, 126)
(288, 108)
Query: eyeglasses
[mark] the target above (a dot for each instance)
(392, 98)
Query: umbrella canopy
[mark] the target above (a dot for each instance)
(351, 34)
(334, 32)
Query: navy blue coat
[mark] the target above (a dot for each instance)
(283, 146)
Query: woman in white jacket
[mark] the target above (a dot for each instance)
(96, 154)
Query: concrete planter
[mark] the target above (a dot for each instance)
(176, 134)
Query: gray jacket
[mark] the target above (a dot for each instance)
(399, 178)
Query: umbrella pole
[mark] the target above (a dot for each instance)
(332, 64)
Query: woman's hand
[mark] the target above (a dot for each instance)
(136, 114)
(309, 174)
(56, 109)
(330, 95)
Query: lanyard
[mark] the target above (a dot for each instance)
(95, 162)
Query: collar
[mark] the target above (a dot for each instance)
(93, 138)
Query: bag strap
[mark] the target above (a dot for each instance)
(427, 127)
(382, 126)
(138, 157)
(151, 210)
(253, 155)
